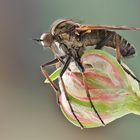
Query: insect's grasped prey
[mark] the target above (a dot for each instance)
(68, 39)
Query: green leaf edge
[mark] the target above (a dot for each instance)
(54, 75)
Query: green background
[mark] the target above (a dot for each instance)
(28, 109)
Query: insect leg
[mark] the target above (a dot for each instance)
(117, 42)
(87, 91)
(45, 73)
(65, 92)
(118, 55)
(54, 61)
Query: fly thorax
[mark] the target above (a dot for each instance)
(64, 36)
(70, 40)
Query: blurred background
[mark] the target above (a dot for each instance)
(28, 109)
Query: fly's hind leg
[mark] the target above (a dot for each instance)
(118, 56)
(117, 44)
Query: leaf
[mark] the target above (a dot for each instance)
(113, 92)
(54, 75)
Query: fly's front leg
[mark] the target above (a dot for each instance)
(45, 73)
(117, 43)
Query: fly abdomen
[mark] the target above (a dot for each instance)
(97, 36)
(126, 48)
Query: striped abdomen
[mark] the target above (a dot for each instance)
(96, 36)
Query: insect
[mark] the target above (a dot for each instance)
(68, 39)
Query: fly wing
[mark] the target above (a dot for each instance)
(57, 49)
(105, 27)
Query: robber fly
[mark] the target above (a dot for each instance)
(68, 39)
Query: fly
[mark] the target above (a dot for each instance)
(68, 40)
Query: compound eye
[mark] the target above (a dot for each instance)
(46, 39)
